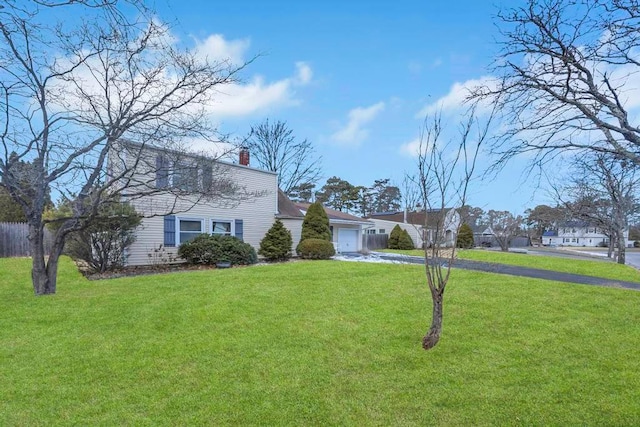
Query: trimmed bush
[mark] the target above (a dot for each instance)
(400, 239)
(276, 244)
(465, 237)
(405, 242)
(394, 237)
(315, 249)
(316, 223)
(104, 242)
(208, 249)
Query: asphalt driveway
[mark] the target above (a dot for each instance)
(510, 270)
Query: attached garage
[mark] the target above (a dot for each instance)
(348, 240)
(346, 229)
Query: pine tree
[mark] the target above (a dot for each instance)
(394, 237)
(276, 244)
(405, 242)
(316, 223)
(465, 237)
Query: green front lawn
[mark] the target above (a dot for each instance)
(321, 343)
(595, 268)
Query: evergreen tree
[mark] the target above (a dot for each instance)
(276, 244)
(10, 210)
(465, 237)
(405, 242)
(316, 223)
(394, 237)
(338, 194)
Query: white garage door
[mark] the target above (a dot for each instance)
(347, 240)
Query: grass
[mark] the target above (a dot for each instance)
(315, 343)
(595, 268)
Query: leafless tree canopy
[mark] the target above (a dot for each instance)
(602, 190)
(274, 147)
(565, 78)
(70, 95)
(505, 226)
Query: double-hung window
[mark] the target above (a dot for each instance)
(224, 227)
(189, 228)
(185, 177)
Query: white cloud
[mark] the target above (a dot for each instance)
(411, 148)
(354, 132)
(241, 99)
(217, 48)
(255, 94)
(454, 100)
(304, 73)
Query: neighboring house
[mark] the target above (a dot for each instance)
(577, 233)
(420, 225)
(346, 230)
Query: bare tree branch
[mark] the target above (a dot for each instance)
(274, 147)
(565, 79)
(116, 77)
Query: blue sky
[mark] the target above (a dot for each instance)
(353, 77)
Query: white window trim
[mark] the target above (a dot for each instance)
(231, 221)
(184, 218)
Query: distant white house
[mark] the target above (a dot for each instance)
(577, 233)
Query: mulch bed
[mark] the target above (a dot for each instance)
(142, 270)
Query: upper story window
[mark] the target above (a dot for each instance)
(185, 177)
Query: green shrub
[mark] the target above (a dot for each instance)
(104, 242)
(394, 237)
(208, 249)
(465, 237)
(276, 244)
(316, 223)
(315, 249)
(405, 242)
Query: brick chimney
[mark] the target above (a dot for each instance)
(244, 156)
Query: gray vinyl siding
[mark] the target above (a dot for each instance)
(257, 214)
(295, 227)
(413, 230)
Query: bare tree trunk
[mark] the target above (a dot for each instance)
(433, 336)
(44, 272)
(38, 266)
(622, 255)
(610, 246)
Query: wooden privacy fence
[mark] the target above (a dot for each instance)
(375, 241)
(14, 239)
